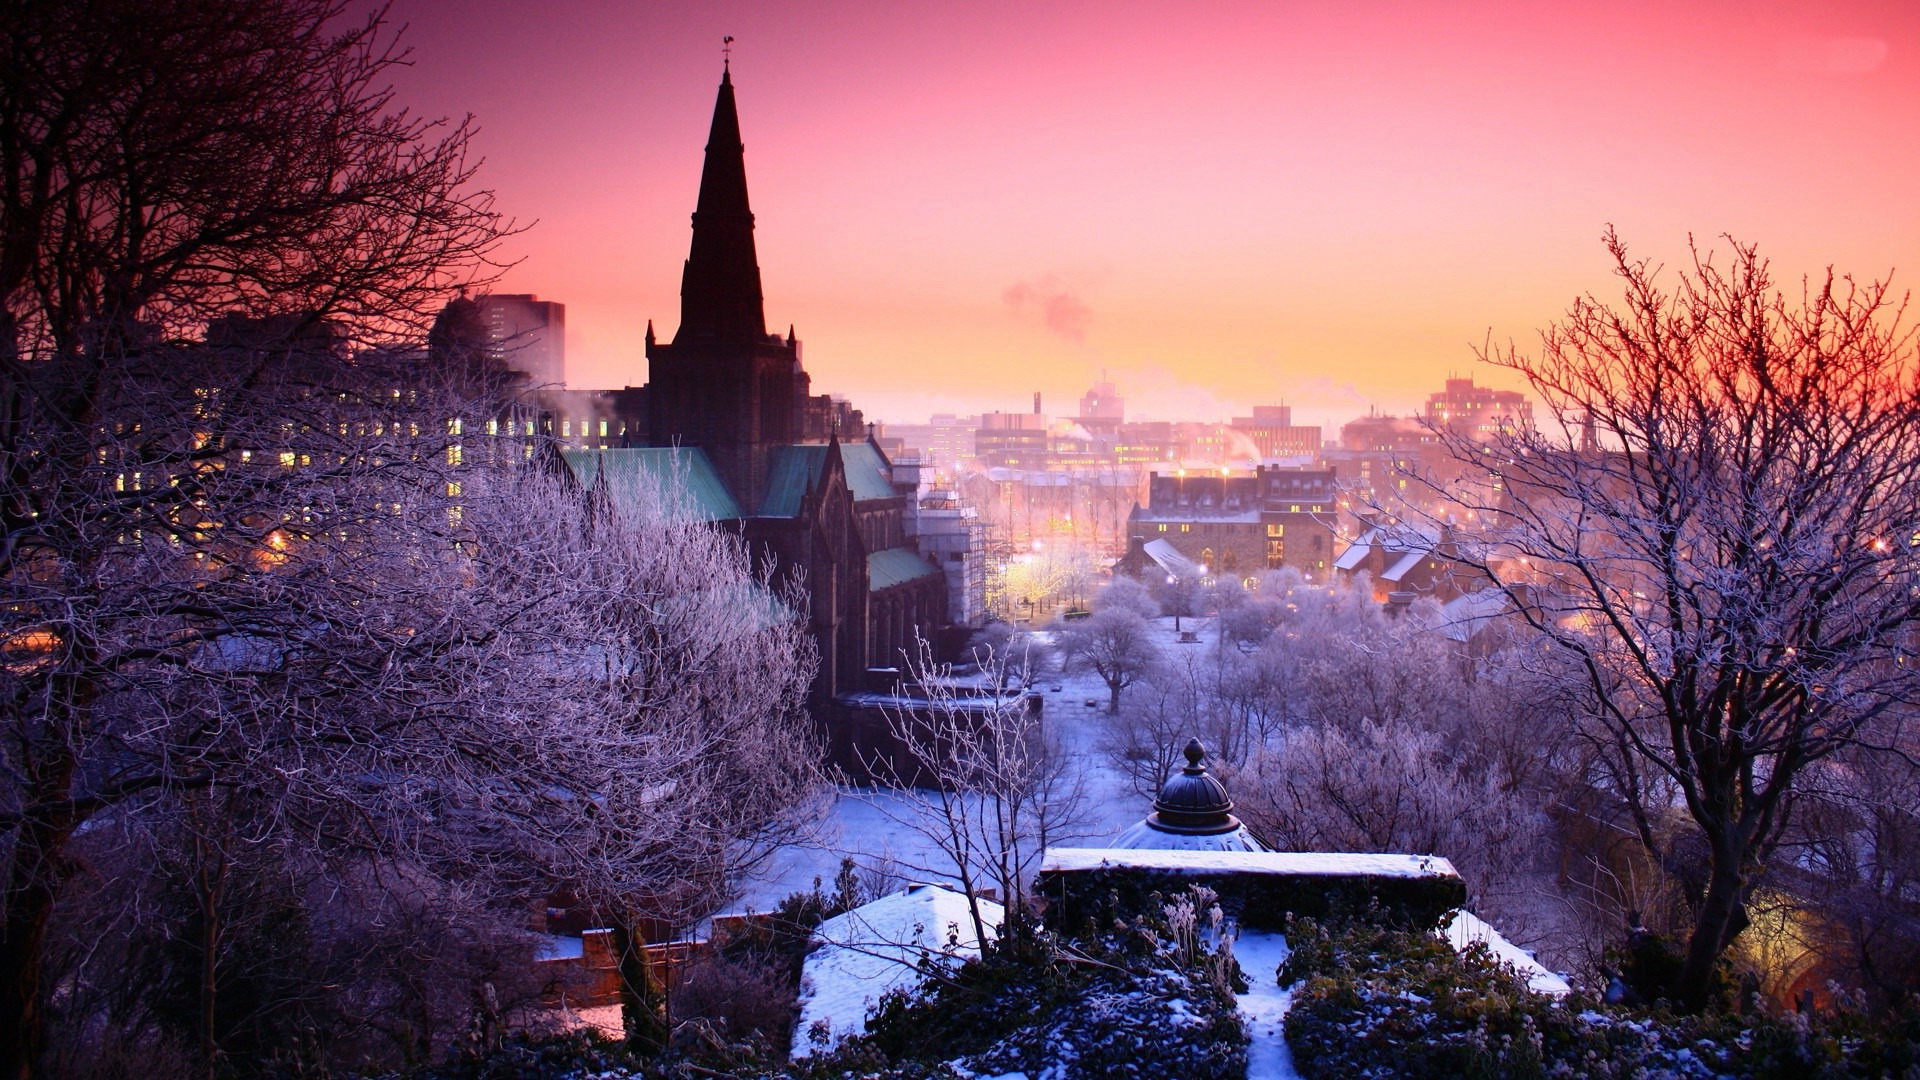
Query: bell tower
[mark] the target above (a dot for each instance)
(723, 383)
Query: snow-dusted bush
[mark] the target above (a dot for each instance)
(1374, 1002)
(1151, 995)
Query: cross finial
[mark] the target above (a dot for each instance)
(726, 53)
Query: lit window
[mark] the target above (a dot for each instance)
(1163, 528)
(1186, 528)
(1276, 529)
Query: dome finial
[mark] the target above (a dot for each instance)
(1195, 754)
(1193, 812)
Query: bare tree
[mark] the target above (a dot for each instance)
(1390, 786)
(1184, 595)
(1724, 532)
(265, 576)
(165, 163)
(984, 779)
(1115, 644)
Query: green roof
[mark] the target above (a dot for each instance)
(866, 472)
(633, 470)
(794, 468)
(797, 468)
(896, 566)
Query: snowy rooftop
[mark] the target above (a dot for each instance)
(877, 947)
(1293, 863)
(1467, 928)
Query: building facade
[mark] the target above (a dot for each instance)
(1239, 523)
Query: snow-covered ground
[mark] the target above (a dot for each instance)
(1264, 1005)
(873, 828)
(868, 825)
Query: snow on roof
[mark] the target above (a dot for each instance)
(1467, 928)
(1142, 835)
(1467, 614)
(1409, 542)
(559, 947)
(876, 947)
(1400, 567)
(1329, 864)
(1355, 554)
(1170, 558)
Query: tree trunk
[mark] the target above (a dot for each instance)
(1722, 916)
(210, 874)
(29, 907)
(640, 997)
(1113, 698)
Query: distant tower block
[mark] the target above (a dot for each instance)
(526, 333)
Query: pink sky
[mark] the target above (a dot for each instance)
(1323, 204)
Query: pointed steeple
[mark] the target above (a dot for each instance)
(720, 289)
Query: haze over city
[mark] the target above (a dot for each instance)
(1236, 204)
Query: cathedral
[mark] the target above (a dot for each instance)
(728, 407)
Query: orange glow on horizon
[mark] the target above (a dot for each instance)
(960, 205)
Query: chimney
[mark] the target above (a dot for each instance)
(1036, 403)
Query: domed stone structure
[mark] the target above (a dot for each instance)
(1193, 813)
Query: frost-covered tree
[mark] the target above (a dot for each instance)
(1116, 643)
(1722, 527)
(267, 581)
(983, 777)
(1390, 786)
(1127, 594)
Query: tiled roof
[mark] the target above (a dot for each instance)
(895, 566)
(633, 470)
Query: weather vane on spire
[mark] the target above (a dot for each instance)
(726, 53)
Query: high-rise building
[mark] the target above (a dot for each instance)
(528, 334)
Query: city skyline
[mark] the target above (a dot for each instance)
(1239, 207)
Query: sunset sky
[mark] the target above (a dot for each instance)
(1221, 205)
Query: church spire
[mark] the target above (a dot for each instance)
(720, 289)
